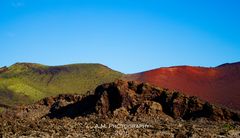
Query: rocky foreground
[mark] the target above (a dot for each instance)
(121, 109)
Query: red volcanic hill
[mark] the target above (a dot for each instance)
(219, 85)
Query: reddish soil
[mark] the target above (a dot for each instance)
(219, 85)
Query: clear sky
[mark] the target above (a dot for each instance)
(126, 35)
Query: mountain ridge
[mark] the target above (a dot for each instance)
(186, 66)
(38, 81)
(29, 82)
(219, 84)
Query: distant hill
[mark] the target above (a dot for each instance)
(28, 82)
(219, 85)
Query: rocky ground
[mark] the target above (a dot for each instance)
(121, 109)
(134, 127)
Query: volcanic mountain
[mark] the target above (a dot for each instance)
(219, 85)
(29, 82)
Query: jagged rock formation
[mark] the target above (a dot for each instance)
(134, 98)
(121, 102)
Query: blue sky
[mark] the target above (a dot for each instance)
(126, 35)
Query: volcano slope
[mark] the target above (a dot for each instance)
(219, 85)
(28, 82)
(121, 109)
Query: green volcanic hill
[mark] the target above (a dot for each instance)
(28, 82)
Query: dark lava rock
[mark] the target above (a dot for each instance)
(133, 96)
(170, 114)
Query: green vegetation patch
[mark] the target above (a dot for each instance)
(35, 81)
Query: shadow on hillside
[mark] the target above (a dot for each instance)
(82, 108)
